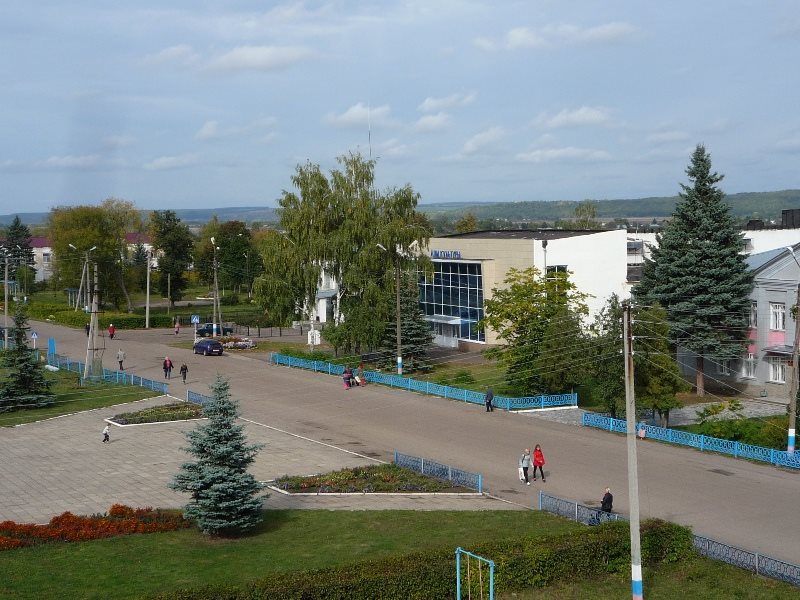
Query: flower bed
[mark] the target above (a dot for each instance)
(66, 527)
(372, 479)
(237, 343)
(176, 411)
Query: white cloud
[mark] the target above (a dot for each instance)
(790, 146)
(485, 44)
(392, 148)
(171, 162)
(580, 117)
(431, 123)
(259, 58)
(211, 130)
(452, 101)
(181, 55)
(665, 137)
(70, 162)
(208, 131)
(524, 37)
(483, 140)
(360, 115)
(118, 141)
(568, 153)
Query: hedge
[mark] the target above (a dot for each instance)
(519, 564)
(64, 315)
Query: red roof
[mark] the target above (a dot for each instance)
(137, 238)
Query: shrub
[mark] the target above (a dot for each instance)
(373, 478)
(156, 414)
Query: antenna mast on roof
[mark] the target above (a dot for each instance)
(369, 129)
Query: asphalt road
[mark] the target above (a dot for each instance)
(745, 504)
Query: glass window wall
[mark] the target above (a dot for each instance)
(456, 290)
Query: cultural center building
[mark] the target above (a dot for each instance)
(468, 266)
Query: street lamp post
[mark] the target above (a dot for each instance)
(795, 365)
(247, 272)
(216, 293)
(399, 341)
(5, 303)
(147, 297)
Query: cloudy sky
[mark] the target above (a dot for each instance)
(213, 103)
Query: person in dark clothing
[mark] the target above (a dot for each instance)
(87, 328)
(184, 372)
(488, 399)
(607, 502)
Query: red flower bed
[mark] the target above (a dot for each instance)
(120, 520)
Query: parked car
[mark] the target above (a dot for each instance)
(207, 346)
(207, 330)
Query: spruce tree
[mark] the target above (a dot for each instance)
(18, 243)
(698, 273)
(225, 500)
(25, 385)
(415, 332)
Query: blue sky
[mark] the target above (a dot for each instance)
(212, 103)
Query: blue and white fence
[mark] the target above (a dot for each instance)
(745, 559)
(109, 375)
(779, 458)
(430, 388)
(197, 398)
(425, 466)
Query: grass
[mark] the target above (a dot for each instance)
(72, 397)
(158, 414)
(296, 540)
(373, 478)
(699, 578)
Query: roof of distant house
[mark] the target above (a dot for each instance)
(521, 234)
(137, 238)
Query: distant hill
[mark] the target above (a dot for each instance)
(761, 205)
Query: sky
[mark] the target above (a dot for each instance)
(214, 103)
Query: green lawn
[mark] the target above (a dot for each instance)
(71, 397)
(700, 578)
(128, 567)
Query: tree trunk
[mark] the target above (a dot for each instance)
(121, 276)
(700, 376)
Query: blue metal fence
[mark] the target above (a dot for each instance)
(745, 559)
(430, 388)
(108, 375)
(779, 458)
(197, 398)
(473, 481)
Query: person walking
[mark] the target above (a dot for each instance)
(167, 365)
(120, 358)
(111, 330)
(347, 377)
(607, 503)
(177, 326)
(524, 465)
(184, 371)
(106, 438)
(488, 399)
(538, 461)
(87, 328)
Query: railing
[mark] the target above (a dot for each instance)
(745, 559)
(428, 387)
(779, 458)
(425, 466)
(197, 398)
(108, 375)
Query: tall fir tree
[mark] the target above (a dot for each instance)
(698, 273)
(415, 332)
(25, 385)
(225, 500)
(18, 243)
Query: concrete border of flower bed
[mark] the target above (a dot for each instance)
(406, 494)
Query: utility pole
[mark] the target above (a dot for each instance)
(216, 293)
(169, 291)
(147, 298)
(795, 366)
(397, 323)
(637, 588)
(91, 366)
(5, 303)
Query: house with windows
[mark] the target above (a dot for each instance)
(468, 266)
(765, 367)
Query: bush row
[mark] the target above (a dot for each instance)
(519, 564)
(64, 315)
(66, 527)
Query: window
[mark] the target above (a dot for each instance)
(557, 269)
(777, 369)
(749, 366)
(46, 258)
(724, 366)
(777, 316)
(754, 314)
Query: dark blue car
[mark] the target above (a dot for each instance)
(207, 346)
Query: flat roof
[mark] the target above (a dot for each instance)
(522, 234)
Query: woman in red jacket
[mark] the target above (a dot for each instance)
(538, 461)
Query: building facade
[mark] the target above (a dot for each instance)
(468, 266)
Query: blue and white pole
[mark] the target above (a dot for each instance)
(399, 365)
(790, 445)
(637, 588)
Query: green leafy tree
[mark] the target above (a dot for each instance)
(586, 216)
(203, 253)
(25, 385)
(657, 375)
(521, 313)
(224, 496)
(561, 363)
(174, 241)
(467, 223)
(698, 273)
(607, 362)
